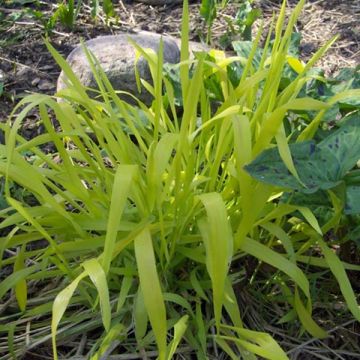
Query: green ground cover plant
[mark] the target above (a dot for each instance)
(64, 12)
(137, 227)
(239, 26)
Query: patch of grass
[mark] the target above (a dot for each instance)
(147, 233)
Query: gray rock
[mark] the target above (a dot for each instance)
(117, 58)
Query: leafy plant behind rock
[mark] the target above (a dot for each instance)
(139, 236)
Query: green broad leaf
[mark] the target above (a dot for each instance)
(320, 166)
(268, 167)
(344, 145)
(355, 237)
(244, 48)
(151, 288)
(352, 204)
(346, 79)
(98, 277)
(217, 236)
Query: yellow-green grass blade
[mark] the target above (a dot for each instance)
(59, 306)
(272, 122)
(98, 277)
(21, 293)
(158, 159)
(231, 305)
(259, 343)
(285, 152)
(179, 330)
(27, 176)
(306, 320)
(75, 185)
(218, 240)
(114, 334)
(256, 200)
(20, 275)
(228, 350)
(122, 183)
(179, 300)
(195, 283)
(231, 110)
(320, 262)
(140, 317)
(309, 131)
(339, 272)
(68, 72)
(243, 153)
(263, 253)
(285, 239)
(311, 219)
(124, 291)
(151, 288)
(200, 326)
(27, 215)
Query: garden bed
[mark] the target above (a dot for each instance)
(27, 66)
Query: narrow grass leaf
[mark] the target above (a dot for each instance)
(339, 272)
(60, 304)
(306, 320)
(98, 277)
(151, 289)
(14, 278)
(112, 336)
(231, 305)
(140, 317)
(179, 330)
(218, 240)
(121, 188)
(124, 291)
(21, 286)
(259, 343)
(276, 260)
(311, 219)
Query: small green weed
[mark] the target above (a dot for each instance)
(239, 27)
